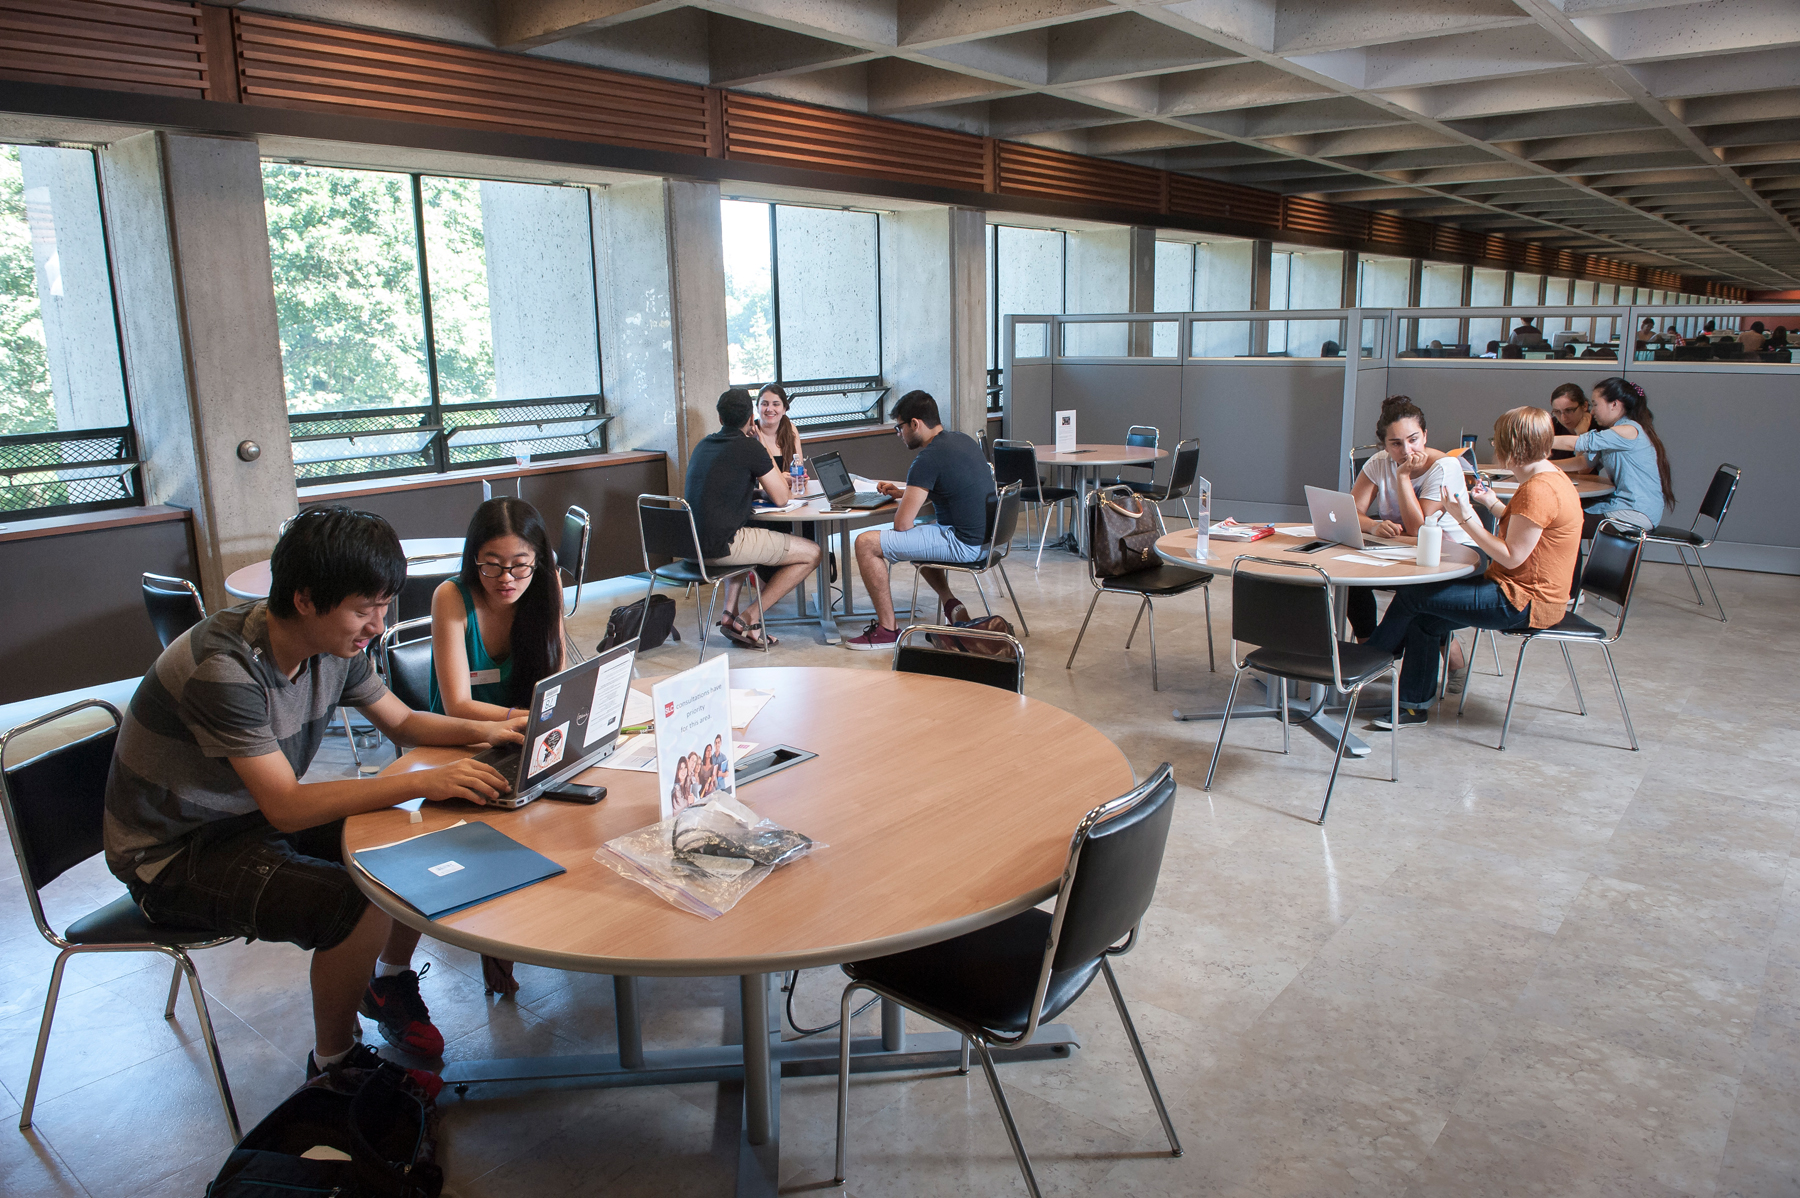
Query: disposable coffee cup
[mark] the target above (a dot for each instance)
(1431, 544)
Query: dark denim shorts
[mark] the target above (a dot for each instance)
(241, 877)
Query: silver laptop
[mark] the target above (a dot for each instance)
(1334, 518)
(841, 494)
(573, 726)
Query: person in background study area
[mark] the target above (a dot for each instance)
(1625, 445)
(773, 428)
(1753, 338)
(1570, 416)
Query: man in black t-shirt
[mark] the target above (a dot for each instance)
(724, 471)
(952, 473)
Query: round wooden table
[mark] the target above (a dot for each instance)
(1086, 460)
(818, 513)
(943, 807)
(1587, 486)
(426, 557)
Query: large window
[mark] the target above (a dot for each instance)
(66, 443)
(430, 324)
(1301, 279)
(803, 307)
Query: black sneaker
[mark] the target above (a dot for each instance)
(1410, 717)
(362, 1056)
(394, 1004)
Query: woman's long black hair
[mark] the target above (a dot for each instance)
(1637, 407)
(537, 616)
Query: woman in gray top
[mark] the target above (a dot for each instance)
(1623, 443)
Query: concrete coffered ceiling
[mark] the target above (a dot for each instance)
(1660, 132)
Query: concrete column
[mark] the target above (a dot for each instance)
(934, 310)
(659, 255)
(1141, 286)
(540, 290)
(1347, 297)
(74, 287)
(203, 353)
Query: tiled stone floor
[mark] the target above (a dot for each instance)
(1566, 969)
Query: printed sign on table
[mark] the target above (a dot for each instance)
(1065, 432)
(693, 736)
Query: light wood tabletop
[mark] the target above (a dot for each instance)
(1587, 486)
(1455, 560)
(944, 806)
(426, 557)
(1102, 455)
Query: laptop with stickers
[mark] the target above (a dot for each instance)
(573, 726)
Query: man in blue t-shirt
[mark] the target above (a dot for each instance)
(951, 472)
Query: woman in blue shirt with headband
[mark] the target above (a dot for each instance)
(1623, 443)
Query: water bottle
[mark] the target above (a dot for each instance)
(1203, 520)
(797, 476)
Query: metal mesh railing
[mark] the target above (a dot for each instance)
(374, 443)
(56, 473)
(833, 403)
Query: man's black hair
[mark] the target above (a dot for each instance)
(333, 553)
(917, 405)
(735, 408)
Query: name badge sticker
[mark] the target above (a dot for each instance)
(446, 869)
(483, 677)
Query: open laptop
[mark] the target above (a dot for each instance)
(1334, 519)
(840, 492)
(573, 726)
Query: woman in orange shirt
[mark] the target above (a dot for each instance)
(1532, 562)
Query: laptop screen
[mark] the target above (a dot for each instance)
(834, 479)
(575, 715)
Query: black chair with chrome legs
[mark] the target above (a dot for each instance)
(1714, 507)
(1002, 523)
(666, 524)
(571, 568)
(54, 804)
(997, 985)
(174, 605)
(1610, 573)
(1289, 618)
(950, 652)
(1139, 436)
(1016, 462)
(1161, 581)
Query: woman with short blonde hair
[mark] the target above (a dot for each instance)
(1531, 553)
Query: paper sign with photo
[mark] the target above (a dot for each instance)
(693, 732)
(549, 749)
(1065, 432)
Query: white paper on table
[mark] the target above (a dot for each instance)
(1299, 530)
(638, 753)
(745, 704)
(862, 484)
(1065, 431)
(390, 844)
(638, 709)
(1363, 559)
(791, 505)
(1398, 553)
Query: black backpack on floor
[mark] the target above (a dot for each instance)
(377, 1118)
(622, 625)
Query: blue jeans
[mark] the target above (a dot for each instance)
(1421, 619)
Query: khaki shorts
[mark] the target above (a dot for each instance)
(756, 547)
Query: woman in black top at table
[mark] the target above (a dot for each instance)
(1570, 415)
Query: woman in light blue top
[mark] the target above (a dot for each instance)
(1623, 443)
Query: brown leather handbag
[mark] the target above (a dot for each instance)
(1125, 533)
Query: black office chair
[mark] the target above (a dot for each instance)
(54, 806)
(1289, 618)
(1162, 581)
(1002, 523)
(174, 605)
(945, 654)
(405, 661)
(1016, 462)
(1181, 480)
(1714, 507)
(1610, 573)
(666, 525)
(1139, 436)
(998, 985)
(572, 555)
(1359, 457)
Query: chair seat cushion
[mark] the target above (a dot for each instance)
(1358, 663)
(1164, 579)
(986, 978)
(1682, 536)
(1050, 495)
(121, 922)
(680, 571)
(1570, 626)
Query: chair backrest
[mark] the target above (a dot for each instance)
(666, 523)
(1288, 611)
(1143, 436)
(414, 600)
(1016, 462)
(406, 660)
(1007, 671)
(1114, 859)
(1718, 496)
(55, 802)
(571, 553)
(1611, 569)
(1005, 523)
(1359, 457)
(1124, 497)
(1186, 468)
(174, 605)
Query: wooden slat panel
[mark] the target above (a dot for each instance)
(759, 129)
(1302, 214)
(120, 45)
(1447, 242)
(1412, 237)
(1213, 200)
(324, 68)
(1033, 170)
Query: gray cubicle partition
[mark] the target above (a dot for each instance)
(1270, 424)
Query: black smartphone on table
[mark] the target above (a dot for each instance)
(569, 792)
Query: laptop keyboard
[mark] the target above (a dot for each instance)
(504, 758)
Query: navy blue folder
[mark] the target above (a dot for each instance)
(447, 871)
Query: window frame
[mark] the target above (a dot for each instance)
(431, 417)
(16, 448)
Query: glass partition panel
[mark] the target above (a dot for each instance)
(1487, 289)
(1441, 286)
(1220, 339)
(1031, 339)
